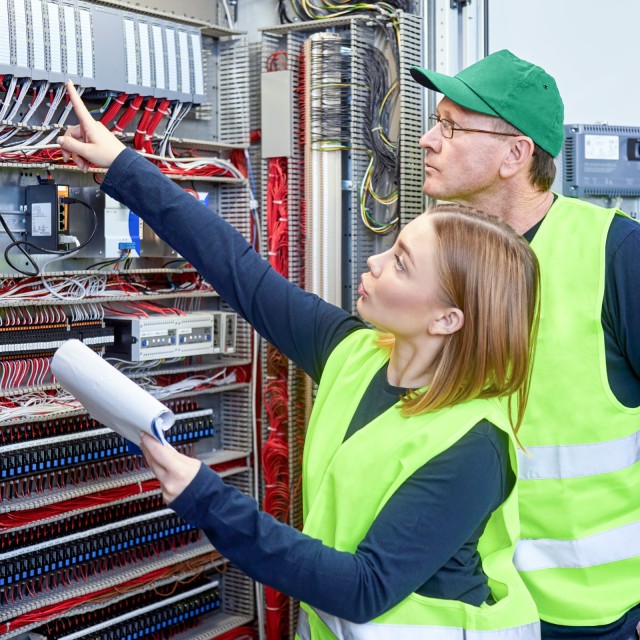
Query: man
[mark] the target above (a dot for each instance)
(495, 134)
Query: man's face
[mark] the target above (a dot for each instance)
(465, 167)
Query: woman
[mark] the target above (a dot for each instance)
(408, 481)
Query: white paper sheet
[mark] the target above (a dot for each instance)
(108, 395)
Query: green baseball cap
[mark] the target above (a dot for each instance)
(503, 85)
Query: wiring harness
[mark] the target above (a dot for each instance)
(19, 143)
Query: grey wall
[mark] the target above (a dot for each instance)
(591, 47)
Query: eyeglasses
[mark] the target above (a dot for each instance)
(447, 128)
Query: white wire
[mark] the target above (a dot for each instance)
(188, 384)
(42, 92)
(19, 100)
(173, 120)
(191, 163)
(60, 91)
(27, 147)
(55, 103)
(16, 108)
(8, 97)
(31, 147)
(37, 403)
(77, 290)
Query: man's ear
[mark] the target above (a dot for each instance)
(450, 321)
(520, 150)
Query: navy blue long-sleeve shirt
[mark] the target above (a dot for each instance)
(425, 538)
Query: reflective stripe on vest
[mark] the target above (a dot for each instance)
(578, 460)
(609, 546)
(303, 631)
(344, 630)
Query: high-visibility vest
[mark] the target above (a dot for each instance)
(580, 478)
(346, 484)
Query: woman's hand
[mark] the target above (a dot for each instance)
(174, 470)
(89, 142)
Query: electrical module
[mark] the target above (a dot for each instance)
(173, 336)
(601, 160)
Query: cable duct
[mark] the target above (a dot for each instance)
(324, 137)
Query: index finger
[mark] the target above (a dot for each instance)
(84, 117)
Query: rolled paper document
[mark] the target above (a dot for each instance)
(108, 395)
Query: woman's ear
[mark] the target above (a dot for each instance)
(450, 321)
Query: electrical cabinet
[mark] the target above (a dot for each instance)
(87, 547)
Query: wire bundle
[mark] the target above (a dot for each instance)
(137, 606)
(277, 222)
(141, 309)
(113, 109)
(31, 148)
(275, 465)
(324, 9)
(128, 115)
(379, 187)
(46, 613)
(275, 451)
(99, 285)
(329, 91)
(24, 372)
(43, 317)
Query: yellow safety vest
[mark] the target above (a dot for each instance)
(580, 478)
(346, 484)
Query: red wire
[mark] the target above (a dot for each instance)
(145, 119)
(277, 61)
(162, 111)
(275, 451)
(129, 114)
(113, 109)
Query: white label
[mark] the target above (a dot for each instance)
(21, 40)
(69, 17)
(130, 46)
(41, 219)
(87, 44)
(196, 47)
(37, 31)
(158, 56)
(145, 54)
(154, 334)
(55, 44)
(601, 147)
(5, 41)
(170, 35)
(185, 66)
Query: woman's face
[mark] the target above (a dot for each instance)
(400, 293)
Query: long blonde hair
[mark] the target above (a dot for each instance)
(490, 273)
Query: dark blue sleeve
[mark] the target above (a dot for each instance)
(304, 327)
(429, 518)
(622, 300)
(621, 310)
